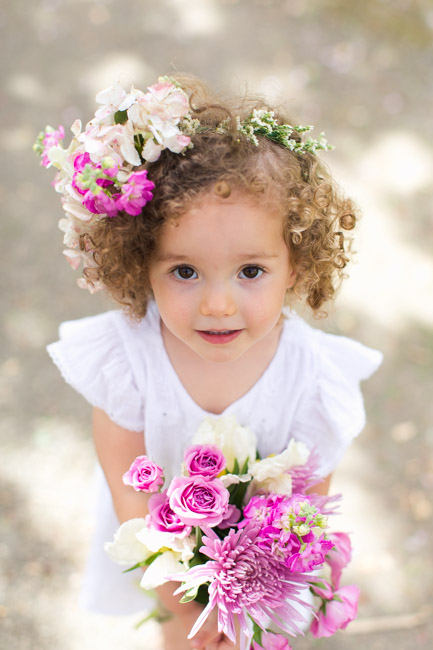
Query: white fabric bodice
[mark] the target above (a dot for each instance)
(309, 391)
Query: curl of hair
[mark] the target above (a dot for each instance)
(315, 213)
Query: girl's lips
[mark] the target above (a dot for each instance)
(221, 336)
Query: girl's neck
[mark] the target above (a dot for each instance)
(215, 386)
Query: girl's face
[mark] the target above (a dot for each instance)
(220, 274)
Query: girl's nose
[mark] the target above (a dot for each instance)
(218, 301)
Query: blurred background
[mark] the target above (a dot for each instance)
(361, 71)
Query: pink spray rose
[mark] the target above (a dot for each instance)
(144, 475)
(204, 460)
(339, 556)
(272, 641)
(336, 614)
(164, 518)
(198, 501)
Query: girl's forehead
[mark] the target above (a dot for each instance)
(238, 223)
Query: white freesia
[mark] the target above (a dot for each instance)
(270, 474)
(166, 564)
(127, 145)
(156, 540)
(59, 158)
(235, 442)
(126, 548)
(151, 151)
(135, 542)
(234, 479)
(75, 209)
(76, 128)
(281, 484)
(74, 258)
(295, 454)
(112, 96)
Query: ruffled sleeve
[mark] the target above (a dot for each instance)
(332, 411)
(92, 357)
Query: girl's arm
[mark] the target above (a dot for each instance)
(321, 488)
(116, 448)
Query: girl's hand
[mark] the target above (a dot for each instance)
(208, 637)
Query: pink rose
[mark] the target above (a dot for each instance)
(272, 641)
(204, 460)
(198, 501)
(336, 614)
(144, 475)
(164, 518)
(339, 556)
(231, 517)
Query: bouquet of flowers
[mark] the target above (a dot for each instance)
(241, 534)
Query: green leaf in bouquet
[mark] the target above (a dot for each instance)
(136, 566)
(155, 614)
(237, 495)
(257, 633)
(198, 537)
(146, 562)
(120, 117)
(236, 467)
(203, 594)
(189, 595)
(244, 469)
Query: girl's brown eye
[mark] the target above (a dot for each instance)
(184, 273)
(251, 272)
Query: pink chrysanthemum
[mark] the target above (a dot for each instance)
(245, 580)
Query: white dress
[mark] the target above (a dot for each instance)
(310, 391)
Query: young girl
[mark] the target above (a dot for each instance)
(206, 221)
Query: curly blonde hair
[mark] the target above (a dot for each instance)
(315, 212)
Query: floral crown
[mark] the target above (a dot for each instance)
(102, 172)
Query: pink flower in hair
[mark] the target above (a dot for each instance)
(101, 203)
(136, 192)
(49, 140)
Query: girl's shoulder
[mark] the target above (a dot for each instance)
(330, 411)
(101, 357)
(322, 351)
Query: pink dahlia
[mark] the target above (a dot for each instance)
(245, 580)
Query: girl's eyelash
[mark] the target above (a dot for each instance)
(256, 267)
(185, 268)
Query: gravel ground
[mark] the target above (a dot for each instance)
(361, 71)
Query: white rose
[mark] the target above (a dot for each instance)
(236, 442)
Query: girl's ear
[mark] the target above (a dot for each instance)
(292, 278)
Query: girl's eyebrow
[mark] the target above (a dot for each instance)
(173, 257)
